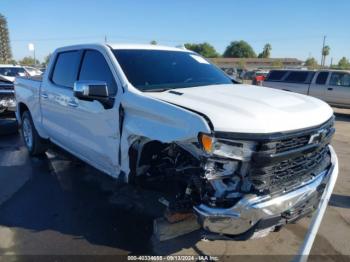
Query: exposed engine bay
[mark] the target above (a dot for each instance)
(190, 180)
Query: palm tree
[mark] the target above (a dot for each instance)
(266, 51)
(325, 52)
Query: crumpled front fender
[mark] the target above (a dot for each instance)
(153, 119)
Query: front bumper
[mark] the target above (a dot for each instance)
(7, 100)
(248, 214)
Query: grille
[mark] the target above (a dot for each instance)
(289, 144)
(284, 163)
(5, 86)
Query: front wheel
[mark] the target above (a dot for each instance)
(34, 143)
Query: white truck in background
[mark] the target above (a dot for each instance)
(332, 86)
(244, 159)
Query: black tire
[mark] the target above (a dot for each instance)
(34, 143)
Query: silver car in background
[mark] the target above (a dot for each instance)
(332, 86)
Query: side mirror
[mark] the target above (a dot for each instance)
(93, 90)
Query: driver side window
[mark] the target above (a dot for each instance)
(95, 67)
(340, 79)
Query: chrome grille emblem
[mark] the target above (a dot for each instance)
(318, 136)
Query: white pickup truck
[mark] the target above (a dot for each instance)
(243, 158)
(332, 86)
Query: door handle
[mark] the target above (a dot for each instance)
(330, 88)
(44, 95)
(73, 104)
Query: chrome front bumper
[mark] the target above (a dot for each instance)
(252, 208)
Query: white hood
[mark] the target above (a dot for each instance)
(250, 109)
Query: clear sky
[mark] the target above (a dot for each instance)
(294, 28)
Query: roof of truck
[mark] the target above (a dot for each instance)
(334, 70)
(119, 46)
(146, 46)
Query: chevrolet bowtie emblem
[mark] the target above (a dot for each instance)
(318, 136)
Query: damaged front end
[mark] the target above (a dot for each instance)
(7, 96)
(7, 103)
(239, 185)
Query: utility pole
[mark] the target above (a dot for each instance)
(322, 56)
(105, 38)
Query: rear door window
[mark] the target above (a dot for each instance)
(66, 69)
(95, 67)
(276, 75)
(297, 77)
(322, 78)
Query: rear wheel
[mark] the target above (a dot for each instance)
(34, 143)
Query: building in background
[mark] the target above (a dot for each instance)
(255, 63)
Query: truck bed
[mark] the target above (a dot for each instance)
(27, 90)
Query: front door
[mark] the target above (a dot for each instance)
(95, 132)
(338, 89)
(87, 129)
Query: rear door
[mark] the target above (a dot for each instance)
(56, 96)
(338, 89)
(318, 87)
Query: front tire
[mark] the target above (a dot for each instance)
(34, 143)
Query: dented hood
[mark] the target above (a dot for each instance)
(250, 109)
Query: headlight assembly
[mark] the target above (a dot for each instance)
(235, 149)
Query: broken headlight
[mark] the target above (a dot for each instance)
(235, 149)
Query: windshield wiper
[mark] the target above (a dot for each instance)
(156, 90)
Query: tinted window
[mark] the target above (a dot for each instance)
(158, 70)
(66, 67)
(340, 79)
(275, 75)
(95, 67)
(12, 71)
(322, 78)
(297, 77)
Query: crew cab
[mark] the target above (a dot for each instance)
(332, 86)
(242, 158)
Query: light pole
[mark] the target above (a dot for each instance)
(31, 48)
(323, 58)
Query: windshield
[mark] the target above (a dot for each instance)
(12, 71)
(159, 70)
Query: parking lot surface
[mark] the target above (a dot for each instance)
(55, 205)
